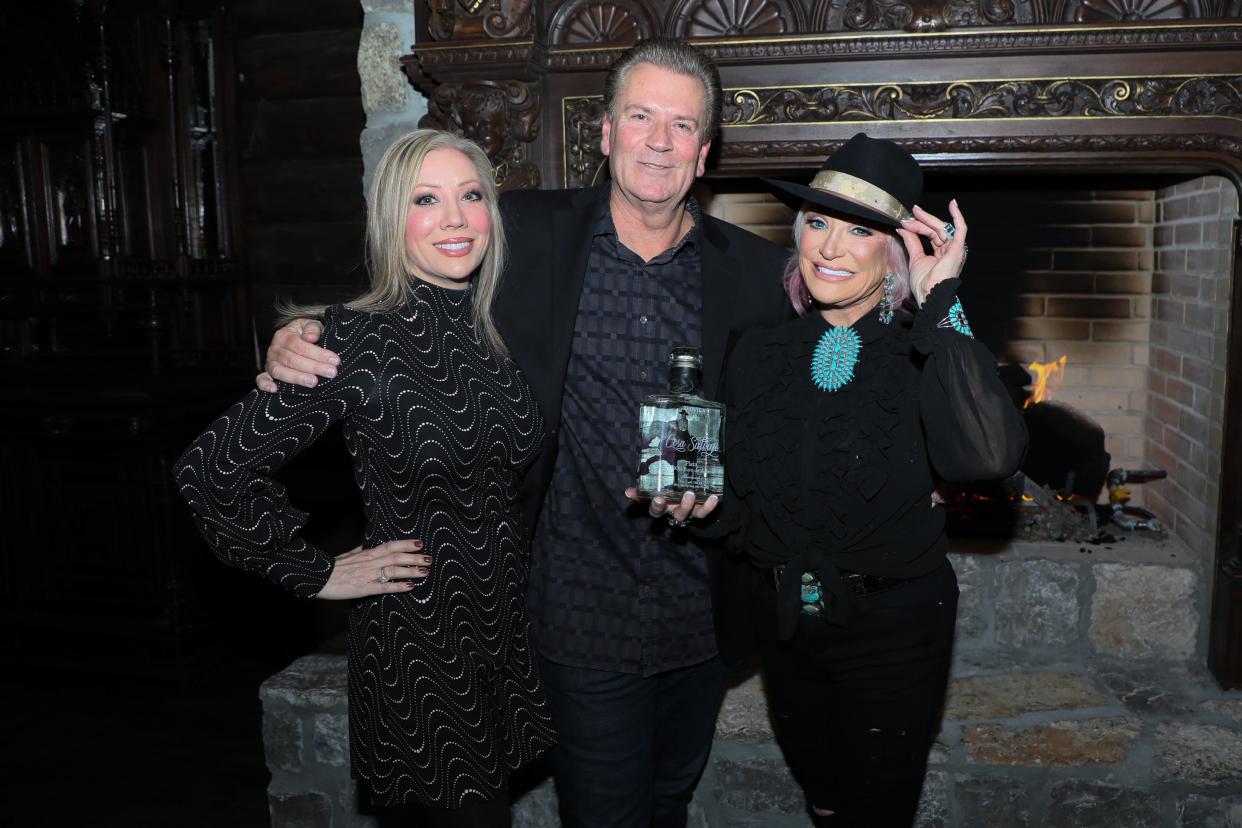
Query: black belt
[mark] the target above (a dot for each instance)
(859, 583)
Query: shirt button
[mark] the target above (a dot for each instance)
(642, 320)
(642, 374)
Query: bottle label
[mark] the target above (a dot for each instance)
(679, 450)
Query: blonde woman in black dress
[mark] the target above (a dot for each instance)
(444, 698)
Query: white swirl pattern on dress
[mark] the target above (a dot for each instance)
(444, 697)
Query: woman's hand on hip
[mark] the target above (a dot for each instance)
(389, 567)
(948, 249)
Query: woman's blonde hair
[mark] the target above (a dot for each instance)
(388, 263)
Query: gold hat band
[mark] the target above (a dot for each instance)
(863, 192)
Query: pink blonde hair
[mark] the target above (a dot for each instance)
(795, 286)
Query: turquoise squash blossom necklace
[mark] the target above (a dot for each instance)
(834, 358)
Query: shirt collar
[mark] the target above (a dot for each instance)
(604, 226)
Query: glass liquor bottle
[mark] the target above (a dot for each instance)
(680, 434)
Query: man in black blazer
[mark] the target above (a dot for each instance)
(601, 284)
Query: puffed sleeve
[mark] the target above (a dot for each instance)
(226, 473)
(973, 429)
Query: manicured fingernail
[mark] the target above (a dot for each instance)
(426, 559)
(334, 360)
(330, 371)
(418, 544)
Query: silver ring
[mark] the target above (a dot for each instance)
(675, 523)
(950, 231)
(383, 578)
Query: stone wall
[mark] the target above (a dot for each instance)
(392, 106)
(1077, 699)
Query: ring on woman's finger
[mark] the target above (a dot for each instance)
(674, 522)
(383, 578)
(950, 230)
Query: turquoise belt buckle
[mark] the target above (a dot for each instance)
(812, 595)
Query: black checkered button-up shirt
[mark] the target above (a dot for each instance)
(610, 589)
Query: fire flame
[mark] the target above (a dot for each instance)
(1047, 377)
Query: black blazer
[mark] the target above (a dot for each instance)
(549, 233)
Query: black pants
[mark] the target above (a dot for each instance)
(856, 707)
(630, 748)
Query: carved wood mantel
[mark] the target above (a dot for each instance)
(1009, 85)
(1151, 84)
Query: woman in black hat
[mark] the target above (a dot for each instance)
(840, 424)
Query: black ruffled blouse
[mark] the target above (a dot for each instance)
(841, 481)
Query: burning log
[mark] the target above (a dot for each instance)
(1053, 498)
(1066, 450)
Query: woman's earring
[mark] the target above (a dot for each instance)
(889, 303)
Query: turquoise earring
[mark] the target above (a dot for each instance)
(889, 303)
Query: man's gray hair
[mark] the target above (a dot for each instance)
(675, 56)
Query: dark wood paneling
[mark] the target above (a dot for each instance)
(301, 128)
(287, 253)
(306, 190)
(300, 65)
(273, 16)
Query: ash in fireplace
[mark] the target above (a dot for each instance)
(1022, 509)
(1054, 497)
(1047, 517)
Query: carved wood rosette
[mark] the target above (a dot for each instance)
(499, 116)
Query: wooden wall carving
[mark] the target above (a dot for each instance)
(466, 19)
(500, 116)
(593, 22)
(534, 103)
(1045, 99)
(976, 99)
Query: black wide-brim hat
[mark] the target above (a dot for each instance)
(869, 178)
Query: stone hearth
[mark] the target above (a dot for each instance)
(1078, 698)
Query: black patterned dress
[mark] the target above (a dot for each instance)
(444, 697)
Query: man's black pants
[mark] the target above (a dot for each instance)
(630, 749)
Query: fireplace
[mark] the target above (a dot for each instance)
(1098, 161)
(1119, 276)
